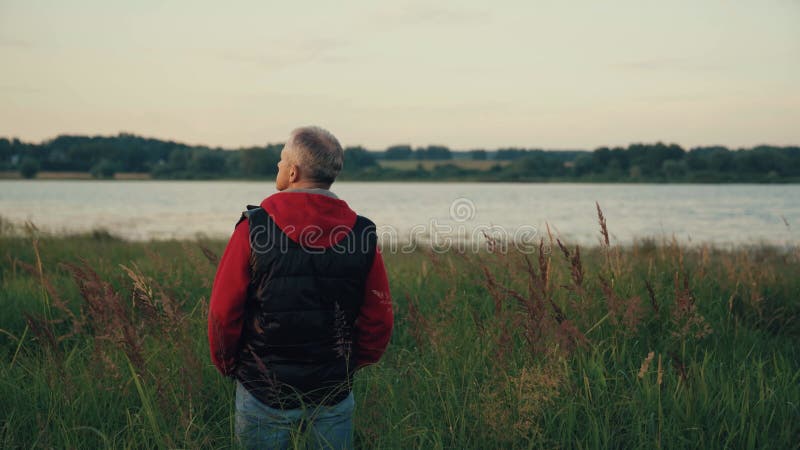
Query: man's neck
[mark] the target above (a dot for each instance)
(308, 184)
(311, 190)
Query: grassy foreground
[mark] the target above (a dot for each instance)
(102, 344)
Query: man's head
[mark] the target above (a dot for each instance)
(311, 158)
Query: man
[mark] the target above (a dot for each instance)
(300, 301)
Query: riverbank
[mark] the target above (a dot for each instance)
(9, 175)
(429, 176)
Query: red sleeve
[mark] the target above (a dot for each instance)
(376, 318)
(228, 296)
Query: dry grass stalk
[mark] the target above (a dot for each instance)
(111, 320)
(503, 339)
(627, 312)
(603, 225)
(545, 322)
(549, 233)
(41, 328)
(532, 305)
(576, 267)
(447, 307)
(343, 338)
(688, 322)
(203, 269)
(166, 319)
(544, 269)
(680, 367)
(77, 322)
(660, 376)
(705, 260)
(494, 290)
(170, 272)
(510, 406)
(421, 329)
(504, 344)
(613, 257)
(538, 322)
(212, 257)
(156, 305)
(539, 284)
(652, 294)
(646, 364)
(570, 337)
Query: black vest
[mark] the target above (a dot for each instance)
(302, 303)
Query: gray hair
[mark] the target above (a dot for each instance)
(317, 151)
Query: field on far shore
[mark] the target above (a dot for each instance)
(397, 165)
(103, 344)
(431, 164)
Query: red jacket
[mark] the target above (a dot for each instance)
(294, 212)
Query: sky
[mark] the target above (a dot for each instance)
(535, 74)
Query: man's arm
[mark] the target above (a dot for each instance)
(228, 296)
(376, 318)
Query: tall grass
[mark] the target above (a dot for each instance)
(654, 345)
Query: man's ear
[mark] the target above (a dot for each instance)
(293, 173)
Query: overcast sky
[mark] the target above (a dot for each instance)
(548, 74)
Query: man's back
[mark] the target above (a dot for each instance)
(304, 300)
(318, 221)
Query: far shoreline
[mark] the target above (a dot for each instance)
(144, 176)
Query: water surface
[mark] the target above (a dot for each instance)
(721, 214)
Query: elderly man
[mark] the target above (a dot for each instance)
(300, 302)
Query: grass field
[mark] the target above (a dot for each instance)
(654, 346)
(428, 165)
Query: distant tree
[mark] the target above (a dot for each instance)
(28, 168)
(168, 159)
(433, 152)
(619, 157)
(260, 161)
(537, 164)
(721, 160)
(697, 159)
(357, 158)
(398, 153)
(509, 154)
(104, 168)
(5, 153)
(674, 169)
(207, 163)
(478, 155)
(179, 159)
(650, 157)
(583, 165)
(233, 161)
(439, 152)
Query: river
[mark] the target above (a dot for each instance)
(729, 214)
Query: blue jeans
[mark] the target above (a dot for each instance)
(259, 426)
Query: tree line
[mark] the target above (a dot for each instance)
(104, 156)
